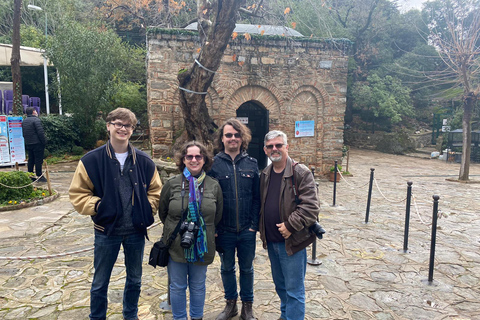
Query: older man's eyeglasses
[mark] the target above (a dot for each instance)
(190, 157)
(118, 125)
(229, 135)
(278, 146)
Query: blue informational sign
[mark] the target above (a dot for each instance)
(15, 139)
(4, 151)
(305, 128)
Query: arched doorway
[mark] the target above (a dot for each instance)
(256, 118)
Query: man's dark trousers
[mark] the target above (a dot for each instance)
(35, 157)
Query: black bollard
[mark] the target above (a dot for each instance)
(407, 216)
(369, 194)
(434, 237)
(167, 305)
(314, 261)
(335, 184)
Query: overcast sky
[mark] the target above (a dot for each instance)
(406, 5)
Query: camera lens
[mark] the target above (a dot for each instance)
(318, 230)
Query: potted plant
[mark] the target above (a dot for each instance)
(332, 172)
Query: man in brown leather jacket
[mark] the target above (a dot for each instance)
(284, 224)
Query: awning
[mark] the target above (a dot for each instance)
(28, 56)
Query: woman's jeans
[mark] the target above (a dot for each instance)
(288, 273)
(183, 275)
(105, 255)
(245, 244)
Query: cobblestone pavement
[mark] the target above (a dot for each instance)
(364, 273)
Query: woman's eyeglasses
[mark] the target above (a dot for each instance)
(229, 135)
(118, 125)
(278, 146)
(190, 157)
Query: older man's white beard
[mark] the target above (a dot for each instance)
(276, 158)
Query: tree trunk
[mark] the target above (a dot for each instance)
(468, 102)
(198, 123)
(15, 60)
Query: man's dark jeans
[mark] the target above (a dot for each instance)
(35, 157)
(244, 243)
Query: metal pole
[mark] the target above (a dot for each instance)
(434, 236)
(166, 305)
(407, 216)
(335, 184)
(45, 71)
(369, 194)
(314, 261)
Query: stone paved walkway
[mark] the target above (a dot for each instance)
(365, 273)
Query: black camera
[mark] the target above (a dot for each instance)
(317, 229)
(189, 231)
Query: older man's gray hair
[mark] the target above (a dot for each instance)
(273, 134)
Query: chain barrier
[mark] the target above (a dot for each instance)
(59, 255)
(351, 185)
(381, 193)
(440, 213)
(21, 187)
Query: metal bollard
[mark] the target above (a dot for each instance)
(335, 184)
(314, 261)
(407, 216)
(369, 194)
(434, 237)
(166, 305)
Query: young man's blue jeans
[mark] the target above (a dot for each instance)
(183, 275)
(288, 274)
(245, 243)
(105, 255)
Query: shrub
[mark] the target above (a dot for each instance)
(61, 133)
(77, 150)
(15, 179)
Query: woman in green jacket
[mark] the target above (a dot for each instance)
(194, 200)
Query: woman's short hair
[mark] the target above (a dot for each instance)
(207, 155)
(239, 127)
(123, 114)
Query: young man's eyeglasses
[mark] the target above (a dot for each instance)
(229, 135)
(278, 146)
(190, 157)
(118, 125)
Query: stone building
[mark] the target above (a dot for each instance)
(293, 84)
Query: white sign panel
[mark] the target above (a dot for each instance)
(15, 138)
(243, 120)
(304, 128)
(4, 151)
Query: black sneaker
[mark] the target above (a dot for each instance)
(42, 179)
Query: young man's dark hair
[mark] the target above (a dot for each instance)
(242, 129)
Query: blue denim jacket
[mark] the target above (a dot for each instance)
(240, 183)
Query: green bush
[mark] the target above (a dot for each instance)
(15, 179)
(61, 132)
(77, 150)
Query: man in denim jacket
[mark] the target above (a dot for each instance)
(238, 176)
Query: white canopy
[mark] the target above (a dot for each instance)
(28, 56)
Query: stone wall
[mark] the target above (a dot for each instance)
(294, 79)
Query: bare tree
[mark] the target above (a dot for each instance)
(455, 32)
(15, 59)
(216, 23)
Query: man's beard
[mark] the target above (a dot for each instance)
(275, 158)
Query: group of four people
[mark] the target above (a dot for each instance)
(214, 204)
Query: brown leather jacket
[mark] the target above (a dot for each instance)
(297, 218)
